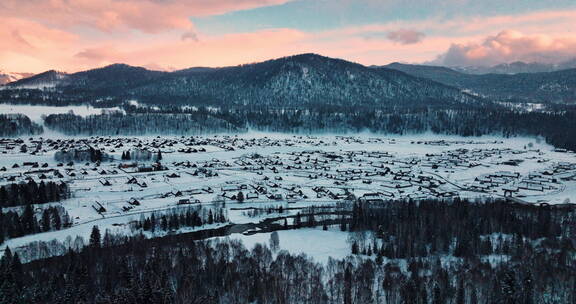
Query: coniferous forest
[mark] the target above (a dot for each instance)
(33, 193)
(491, 252)
(17, 125)
(23, 221)
(556, 127)
(19, 219)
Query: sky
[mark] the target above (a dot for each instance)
(75, 35)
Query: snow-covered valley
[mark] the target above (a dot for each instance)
(266, 175)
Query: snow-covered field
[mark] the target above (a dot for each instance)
(313, 242)
(273, 170)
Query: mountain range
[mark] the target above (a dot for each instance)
(306, 93)
(518, 67)
(541, 87)
(302, 80)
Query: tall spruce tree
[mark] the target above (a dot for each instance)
(95, 237)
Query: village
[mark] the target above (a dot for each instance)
(123, 177)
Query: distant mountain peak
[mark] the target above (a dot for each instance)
(8, 77)
(517, 67)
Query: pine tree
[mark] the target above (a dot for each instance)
(46, 219)
(222, 216)
(163, 223)
(16, 266)
(311, 220)
(42, 197)
(95, 237)
(152, 223)
(28, 220)
(355, 248)
(56, 219)
(343, 225)
(298, 220)
(5, 260)
(210, 218)
(146, 225)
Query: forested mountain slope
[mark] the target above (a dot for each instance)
(296, 81)
(545, 87)
(301, 80)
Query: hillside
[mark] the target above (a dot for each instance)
(46, 79)
(545, 87)
(301, 80)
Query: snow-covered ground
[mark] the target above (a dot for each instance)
(313, 242)
(292, 171)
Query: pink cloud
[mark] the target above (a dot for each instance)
(27, 46)
(24, 35)
(32, 43)
(406, 36)
(99, 55)
(509, 46)
(190, 35)
(149, 16)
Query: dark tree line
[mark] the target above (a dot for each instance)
(141, 155)
(176, 219)
(176, 269)
(555, 126)
(15, 224)
(126, 155)
(137, 124)
(256, 212)
(408, 229)
(33, 193)
(17, 124)
(88, 154)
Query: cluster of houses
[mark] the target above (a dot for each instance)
(320, 170)
(464, 158)
(513, 183)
